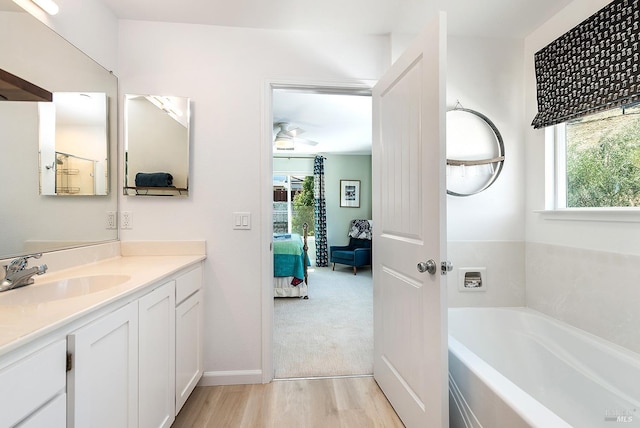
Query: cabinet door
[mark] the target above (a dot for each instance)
(189, 337)
(156, 316)
(102, 387)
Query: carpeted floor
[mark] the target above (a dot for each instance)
(331, 333)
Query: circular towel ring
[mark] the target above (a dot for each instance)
(466, 126)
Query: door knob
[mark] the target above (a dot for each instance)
(428, 266)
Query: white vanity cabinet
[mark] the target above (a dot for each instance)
(102, 386)
(156, 312)
(129, 365)
(189, 335)
(130, 361)
(33, 389)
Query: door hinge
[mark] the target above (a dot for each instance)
(69, 361)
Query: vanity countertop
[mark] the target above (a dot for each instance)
(22, 323)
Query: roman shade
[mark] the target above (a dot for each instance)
(593, 67)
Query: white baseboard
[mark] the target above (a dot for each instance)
(233, 377)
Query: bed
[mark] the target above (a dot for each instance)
(290, 261)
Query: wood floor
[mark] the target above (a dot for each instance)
(337, 402)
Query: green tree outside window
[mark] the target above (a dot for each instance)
(603, 161)
(303, 209)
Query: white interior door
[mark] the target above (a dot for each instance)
(409, 211)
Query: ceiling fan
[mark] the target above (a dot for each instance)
(287, 136)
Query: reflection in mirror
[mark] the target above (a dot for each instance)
(156, 145)
(73, 144)
(31, 222)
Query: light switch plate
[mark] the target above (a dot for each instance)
(242, 220)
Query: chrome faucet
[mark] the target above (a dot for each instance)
(17, 275)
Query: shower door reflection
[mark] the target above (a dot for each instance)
(75, 175)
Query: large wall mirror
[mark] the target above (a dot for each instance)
(36, 213)
(156, 132)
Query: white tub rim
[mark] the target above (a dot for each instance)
(616, 382)
(527, 407)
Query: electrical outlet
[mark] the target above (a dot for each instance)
(126, 220)
(111, 220)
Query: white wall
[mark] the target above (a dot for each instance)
(346, 167)
(596, 291)
(12, 116)
(582, 272)
(224, 71)
(89, 142)
(485, 230)
(87, 24)
(606, 236)
(485, 74)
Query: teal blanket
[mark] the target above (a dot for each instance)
(288, 256)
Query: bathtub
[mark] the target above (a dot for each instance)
(515, 367)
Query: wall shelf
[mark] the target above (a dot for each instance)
(456, 162)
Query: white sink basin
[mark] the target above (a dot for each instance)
(61, 289)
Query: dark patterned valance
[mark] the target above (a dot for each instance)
(593, 67)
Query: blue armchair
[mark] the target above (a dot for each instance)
(356, 254)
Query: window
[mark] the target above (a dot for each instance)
(597, 160)
(292, 203)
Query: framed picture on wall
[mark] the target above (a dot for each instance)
(350, 193)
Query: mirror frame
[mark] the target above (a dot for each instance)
(498, 160)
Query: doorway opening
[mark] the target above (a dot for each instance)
(330, 333)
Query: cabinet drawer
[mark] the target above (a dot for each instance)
(188, 284)
(52, 415)
(29, 383)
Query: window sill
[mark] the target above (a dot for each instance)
(619, 215)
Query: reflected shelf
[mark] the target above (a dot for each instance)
(156, 191)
